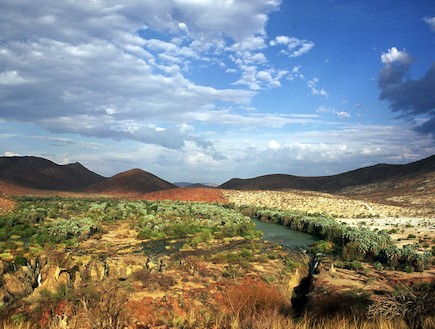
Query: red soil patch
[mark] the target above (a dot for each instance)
(6, 205)
(199, 194)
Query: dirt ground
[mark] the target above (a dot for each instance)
(199, 194)
(6, 204)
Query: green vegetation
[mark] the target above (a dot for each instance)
(38, 221)
(213, 271)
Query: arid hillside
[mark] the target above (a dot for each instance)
(381, 190)
(131, 182)
(43, 174)
(38, 176)
(410, 192)
(325, 203)
(378, 174)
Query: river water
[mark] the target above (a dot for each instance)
(284, 236)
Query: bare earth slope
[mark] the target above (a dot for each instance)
(6, 204)
(411, 192)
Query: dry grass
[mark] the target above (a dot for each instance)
(244, 302)
(197, 317)
(315, 202)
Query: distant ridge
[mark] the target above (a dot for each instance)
(39, 173)
(134, 181)
(335, 183)
(186, 184)
(24, 175)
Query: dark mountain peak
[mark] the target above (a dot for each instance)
(75, 165)
(39, 173)
(135, 181)
(133, 172)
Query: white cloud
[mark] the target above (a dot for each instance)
(10, 78)
(200, 159)
(394, 55)
(342, 114)
(295, 47)
(99, 68)
(431, 22)
(312, 84)
(280, 40)
(252, 43)
(274, 145)
(251, 119)
(323, 109)
(296, 73)
(10, 154)
(315, 153)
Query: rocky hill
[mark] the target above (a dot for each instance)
(381, 173)
(135, 181)
(33, 175)
(38, 173)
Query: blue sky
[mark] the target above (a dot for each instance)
(208, 90)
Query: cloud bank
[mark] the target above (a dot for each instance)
(412, 99)
(109, 70)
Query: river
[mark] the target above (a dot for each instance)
(284, 236)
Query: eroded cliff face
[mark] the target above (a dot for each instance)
(27, 282)
(117, 254)
(19, 281)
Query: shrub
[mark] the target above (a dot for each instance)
(68, 228)
(355, 265)
(378, 266)
(351, 251)
(153, 281)
(246, 301)
(321, 246)
(413, 304)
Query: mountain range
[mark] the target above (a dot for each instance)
(379, 173)
(36, 173)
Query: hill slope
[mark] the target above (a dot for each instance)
(38, 173)
(332, 184)
(135, 181)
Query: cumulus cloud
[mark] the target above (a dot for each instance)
(412, 99)
(274, 145)
(325, 152)
(99, 68)
(257, 79)
(394, 55)
(295, 47)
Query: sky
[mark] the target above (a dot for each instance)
(208, 90)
